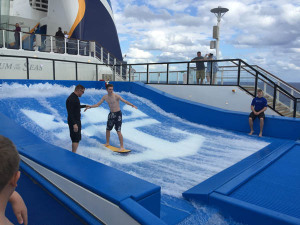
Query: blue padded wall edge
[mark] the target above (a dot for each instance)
(212, 116)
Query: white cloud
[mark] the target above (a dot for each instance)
(261, 32)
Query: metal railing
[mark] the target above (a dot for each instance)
(53, 44)
(231, 71)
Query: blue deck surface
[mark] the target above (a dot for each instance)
(262, 189)
(277, 187)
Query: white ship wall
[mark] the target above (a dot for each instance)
(15, 68)
(60, 14)
(218, 96)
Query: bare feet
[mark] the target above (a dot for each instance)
(121, 149)
(260, 134)
(107, 144)
(251, 132)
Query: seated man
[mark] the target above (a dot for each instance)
(9, 176)
(258, 107)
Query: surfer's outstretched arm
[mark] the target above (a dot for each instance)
(96, 105)
(127, 102)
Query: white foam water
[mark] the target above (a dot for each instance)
(166, 150)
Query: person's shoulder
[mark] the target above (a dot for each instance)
(117, 96)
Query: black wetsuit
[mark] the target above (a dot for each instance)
(73, 108)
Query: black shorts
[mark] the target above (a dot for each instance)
(261, 115)
(114, 119)
(75, 136)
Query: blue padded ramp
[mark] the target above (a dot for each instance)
(42, 207)
(212, 116)
(277, 187)
(262, 189)
(78, 169)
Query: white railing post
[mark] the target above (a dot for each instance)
(51, 44)
(121, 70)
(222, 76)
(158, 78)
(139, 76)
(127, 72)
(101, 54)
(78, 47)
(21, 44)
(90, 51)
(277, 93)
(115, 68)
(4, 39)
(291, 102)
(65, 45)
(94, 45)
(265, 87)
(108, 58)
(177, 77)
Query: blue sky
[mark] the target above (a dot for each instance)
(264, 33)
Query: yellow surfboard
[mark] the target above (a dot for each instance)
(114, 149)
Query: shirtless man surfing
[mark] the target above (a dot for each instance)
(115, 115)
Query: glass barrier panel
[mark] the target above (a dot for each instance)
(84, 48)
(72, 46)
(13, 68)
(178, 73)
(265, 86)
(192, 75)
(158, 73)
(45, 44)
(105, 73)
(227, 73)
(284, 104)
(65, 70)
(11, 40)
(298, 109)
(59, 44)
(86, 71)
(28, 41)
(40, 69)
(247, 78)
(139, 73)
(177, 77)
(1, 38)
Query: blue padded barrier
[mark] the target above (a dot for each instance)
(212, 116)
(78, 169)
(140, 213)
(34, 219)
(202, 191)
(248, 213)
(261, 189)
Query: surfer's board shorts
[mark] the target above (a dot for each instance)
(114, 119)
(75, 136)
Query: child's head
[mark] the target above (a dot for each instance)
(9, 163)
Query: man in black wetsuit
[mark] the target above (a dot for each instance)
(74, 122)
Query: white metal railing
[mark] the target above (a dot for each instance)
(47, 43)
